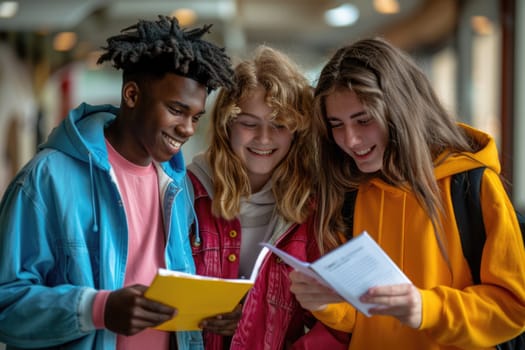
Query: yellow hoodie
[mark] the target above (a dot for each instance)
(456, 314)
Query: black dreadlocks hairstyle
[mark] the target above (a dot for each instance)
(159, 47)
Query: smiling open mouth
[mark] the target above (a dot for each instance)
(172, 142)
(363, 152)
(261, 152)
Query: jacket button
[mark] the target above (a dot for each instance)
(232, 258)
(233, 234)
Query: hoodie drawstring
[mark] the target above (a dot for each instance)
(191, 196)
(404, 214)
(95, 220)
(380, 221)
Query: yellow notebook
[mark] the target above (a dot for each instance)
(198, 297)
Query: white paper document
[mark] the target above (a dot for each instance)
(350, 269)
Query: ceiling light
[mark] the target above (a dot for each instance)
(386, 6)
(186, 17)
(64, 41)
(482, 25)
(342, 15)
(8, 9)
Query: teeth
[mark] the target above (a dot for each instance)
(363, 152)
(262, 153)
(172, 142)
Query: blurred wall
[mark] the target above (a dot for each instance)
(519, 112)
(17, 114)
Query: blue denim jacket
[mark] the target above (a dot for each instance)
(63, 236)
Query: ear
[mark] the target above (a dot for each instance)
(130, 93)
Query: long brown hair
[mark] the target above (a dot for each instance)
(289, 93)
(395, 92)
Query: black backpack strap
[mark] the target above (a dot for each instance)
(348, 213)
(465, 191)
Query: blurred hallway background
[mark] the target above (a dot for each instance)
(471, 50)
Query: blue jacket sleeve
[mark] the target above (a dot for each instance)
(39, 306)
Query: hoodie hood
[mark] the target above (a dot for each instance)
(448, 165)
(201, 169)
(487, 156)
(81, 134)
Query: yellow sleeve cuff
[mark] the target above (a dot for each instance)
(431, 308)
(339, 316)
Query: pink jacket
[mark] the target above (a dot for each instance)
(271, 317)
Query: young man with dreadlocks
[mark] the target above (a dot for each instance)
(87, 222)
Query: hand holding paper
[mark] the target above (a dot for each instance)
(311, 294)
(351, 269)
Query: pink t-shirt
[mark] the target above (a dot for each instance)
(146, 242)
